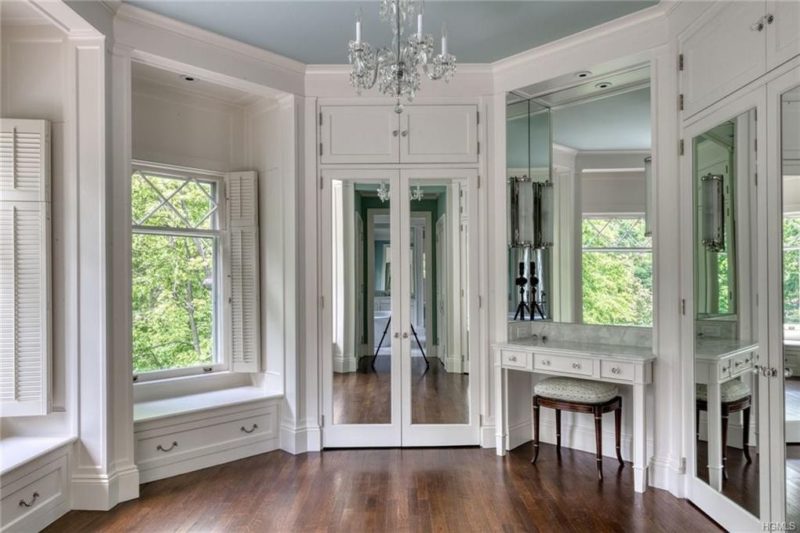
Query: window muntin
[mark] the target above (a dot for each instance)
(617, 271)
(175, 274)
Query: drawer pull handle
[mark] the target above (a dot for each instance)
(616, 370)
(162, 449)
(576, 366)
(23, 503)
(252, 429)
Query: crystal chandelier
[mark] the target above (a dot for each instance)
(396, 69)
(383, 193)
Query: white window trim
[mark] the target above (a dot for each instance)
(221, 308)
(791, 331)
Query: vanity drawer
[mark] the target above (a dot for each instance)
(521, 360)
(742, 363)
(725, 368)
(569, 365)
(30, 493)
(616, 370)
(168, 445)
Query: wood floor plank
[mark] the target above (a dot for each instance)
(435, 489)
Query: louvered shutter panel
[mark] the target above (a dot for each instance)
(24, 267)
(245, 334)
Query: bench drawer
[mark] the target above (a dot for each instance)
(521, 360)
(34, 491)
(568, 365)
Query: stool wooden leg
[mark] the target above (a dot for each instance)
(558, 430)
(598, 437)
(725, 444)
(746, 434)
(618, 431)
(697, 423)
(535, 429)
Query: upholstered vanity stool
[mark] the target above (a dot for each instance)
(578, 396)
(735, 396)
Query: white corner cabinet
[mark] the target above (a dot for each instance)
(732, 44)
(420, 134)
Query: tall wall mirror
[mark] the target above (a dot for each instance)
(726, 400)
(578, 170)
(790, 164)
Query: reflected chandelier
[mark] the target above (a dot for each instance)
(396, 69)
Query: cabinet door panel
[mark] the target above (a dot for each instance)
(359, 134)
(783, 33)
(723, 54)
(439, 134)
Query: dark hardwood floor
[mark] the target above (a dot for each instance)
(742, 485)
(423, 489)
(437, 396)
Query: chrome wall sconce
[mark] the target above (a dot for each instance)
(712, 220)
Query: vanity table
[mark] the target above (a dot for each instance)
(716, 362)
(622, 364)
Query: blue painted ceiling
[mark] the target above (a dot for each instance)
(317, 32)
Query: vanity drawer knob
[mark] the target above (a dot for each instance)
(23, 503)
(576, 366)
(162, 449)
(616, 370)
(513, 358)
(546, 362)
(252, 429)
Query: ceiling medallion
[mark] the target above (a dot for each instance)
(396, 68)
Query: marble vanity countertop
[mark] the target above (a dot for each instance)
(581, 348)
(710, 349)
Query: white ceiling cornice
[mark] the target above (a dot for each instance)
(127, 12)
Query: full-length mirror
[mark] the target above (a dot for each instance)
(790, 164)
(578, 170)
(725, 273)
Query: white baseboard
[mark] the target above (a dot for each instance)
(300, 440)
(102, 492)
(453, 364)
(488, 437)
(793, 431)
(212, 459)
(668, 474)
(344, 363)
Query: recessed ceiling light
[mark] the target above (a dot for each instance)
(603, 85)
(583, 74)
(185, 77)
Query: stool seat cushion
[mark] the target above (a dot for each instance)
(576, 390)
(730, 391)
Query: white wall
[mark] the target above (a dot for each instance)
(184, 128)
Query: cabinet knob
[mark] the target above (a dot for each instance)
(395, 133)
(770, 18)
(758, 25)
(615, 370)
(405, 133)
(512, 358)
(405, 334)
(576, 366)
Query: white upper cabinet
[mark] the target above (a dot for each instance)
(359, 134)
(439, 134)
(723, 53)
(733, 44)
(420, 134)
(783, 31)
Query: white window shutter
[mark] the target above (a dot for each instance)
(243, 275)
(25, 334)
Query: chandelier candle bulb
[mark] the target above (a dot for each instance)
(444, 39)
(419, 26)
(358, 26)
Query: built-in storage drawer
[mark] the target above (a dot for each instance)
(617, 370)
(521, 360)
(725, 366)
(742, 363)
(569, 365)
(30, 494)
(182, 441)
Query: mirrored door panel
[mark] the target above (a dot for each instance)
(790, 169)
(437, 295)
(361, 372)
(727, 406)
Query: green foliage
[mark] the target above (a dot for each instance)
(791, 270)
(617, 272)
(172, 275)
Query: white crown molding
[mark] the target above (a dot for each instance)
(60, 15)
(142, 16)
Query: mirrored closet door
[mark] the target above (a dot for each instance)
(729, 405)
(397, 337)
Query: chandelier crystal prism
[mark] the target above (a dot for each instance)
(396, 68)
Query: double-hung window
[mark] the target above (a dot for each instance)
(194, 272)
(176, 276)
(617, 271)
